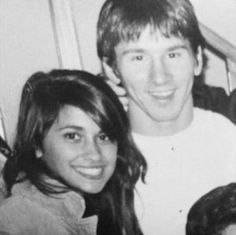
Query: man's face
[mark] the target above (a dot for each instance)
(158, 74)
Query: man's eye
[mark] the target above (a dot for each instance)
(73, 136)
(173, 55)
(138, 58)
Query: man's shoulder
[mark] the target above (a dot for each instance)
(212, 116)
(215, 135)
(215, 99)
(216, 121)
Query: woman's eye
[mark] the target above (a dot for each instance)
(73, 136)
(102, 137)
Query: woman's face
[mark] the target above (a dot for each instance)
(78, 151)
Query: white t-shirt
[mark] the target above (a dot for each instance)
(181, 168)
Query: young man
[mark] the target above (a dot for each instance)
(155, 47)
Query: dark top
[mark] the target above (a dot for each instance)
(215, 99)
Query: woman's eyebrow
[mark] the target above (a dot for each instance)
(69, 126)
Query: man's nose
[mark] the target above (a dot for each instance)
(158, 72)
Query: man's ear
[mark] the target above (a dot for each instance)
(110, 71)
(199, 62)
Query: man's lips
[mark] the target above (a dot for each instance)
(162, 94)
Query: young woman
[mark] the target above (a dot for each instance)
(74, 160)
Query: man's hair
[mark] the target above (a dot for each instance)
(213, 212)
(125, 20)
(43, 96)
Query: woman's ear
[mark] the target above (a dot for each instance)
(199, 62)
(38, 153)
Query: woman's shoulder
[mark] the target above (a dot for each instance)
(18, 215)
(26, 196)
(22, 214)
(20, 206)
(36, 211)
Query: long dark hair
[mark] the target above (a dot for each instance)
(44, 94)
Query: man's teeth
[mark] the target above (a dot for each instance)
(162, 93)
(94, 171)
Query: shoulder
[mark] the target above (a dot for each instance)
(215, 99)
(212, 123)
(28, 211)
(212, 118)
(21, 213)
(16, 214)
(20, 207)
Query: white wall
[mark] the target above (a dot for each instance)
(219, 16)
(26, 46)
(86, 15)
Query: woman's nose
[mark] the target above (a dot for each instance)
(93, 151)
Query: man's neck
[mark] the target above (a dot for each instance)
(143, 124)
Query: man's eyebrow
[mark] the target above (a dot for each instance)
(178, 47)
(133, 50)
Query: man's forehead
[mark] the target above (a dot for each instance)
(150, 38)
(152, 33)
